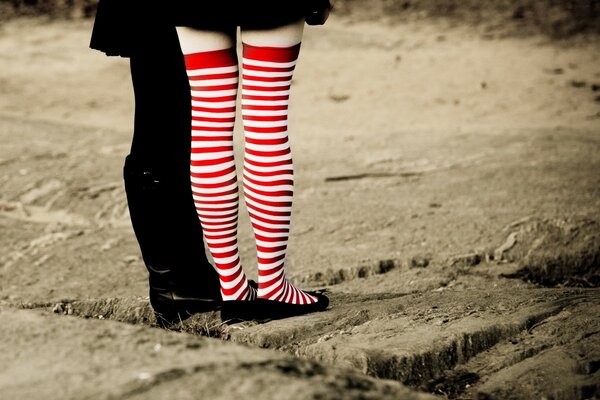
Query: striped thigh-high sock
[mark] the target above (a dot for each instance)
(268, 169)
(213, 77)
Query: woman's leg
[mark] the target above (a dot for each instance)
(269, 58)
(211, 65)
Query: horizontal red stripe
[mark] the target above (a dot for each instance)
(272, 282)
(202, 210)
(213, 223)
(199, 193)
(267, 220)
(231, 278)
(217, 149)
(232, 291)
(215, 185)
(267, 272)
(270, 249)
(267, 142)
(273, 129)
(201, 127)
(204, 217)
(224, 75)
(199, 204)
(275, 193)
(211, 59)
(272, 260)
(229, 86)
(214, 174)
(247, 117)
(266, 88)
(274, 54)
(275, 153)
(214, 119)
(267, 164)
(224, 244)
(268, 203)
(270, 173)
(224, 254)
(265, 98)
(251, 77)
(199, 163)
(271, 230)
(264, 107)
(200, 138)
(214, 99)
(229, 265)
(269, 212)
(249, 67)
(270, 238)
(214, 110)
(227, 236)
(218, 229)
(276, 182)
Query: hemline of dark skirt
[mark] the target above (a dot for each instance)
(124, 27)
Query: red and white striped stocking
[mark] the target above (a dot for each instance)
(213, 77)
(268, 170)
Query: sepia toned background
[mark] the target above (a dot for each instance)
(447, 158)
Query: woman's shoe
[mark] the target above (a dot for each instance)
(263, 309)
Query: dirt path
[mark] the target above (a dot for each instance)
(455, 224)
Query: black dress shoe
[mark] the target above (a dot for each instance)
(182, 282)
(176, 305)
(174, 300)
(263, 310)
(172, 306)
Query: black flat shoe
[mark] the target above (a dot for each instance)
(262, 309)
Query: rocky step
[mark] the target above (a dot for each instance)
(45, 356)
(413, 338)
(557, 358)
(425, 340)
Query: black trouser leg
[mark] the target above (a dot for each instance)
(156, 173)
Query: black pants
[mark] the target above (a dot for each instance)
(157, 176)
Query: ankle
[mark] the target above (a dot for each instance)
(246, 292)
(285, 293)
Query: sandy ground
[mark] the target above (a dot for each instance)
(435, 168)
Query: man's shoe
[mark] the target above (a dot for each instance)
(174, 301)
(172, 306)
(181, 279)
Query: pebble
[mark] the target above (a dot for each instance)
(144, 376)
(577, 84)
(130, 259)
(419, 262)
(58, 308)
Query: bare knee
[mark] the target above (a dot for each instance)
(195, 41)
(283, 36)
